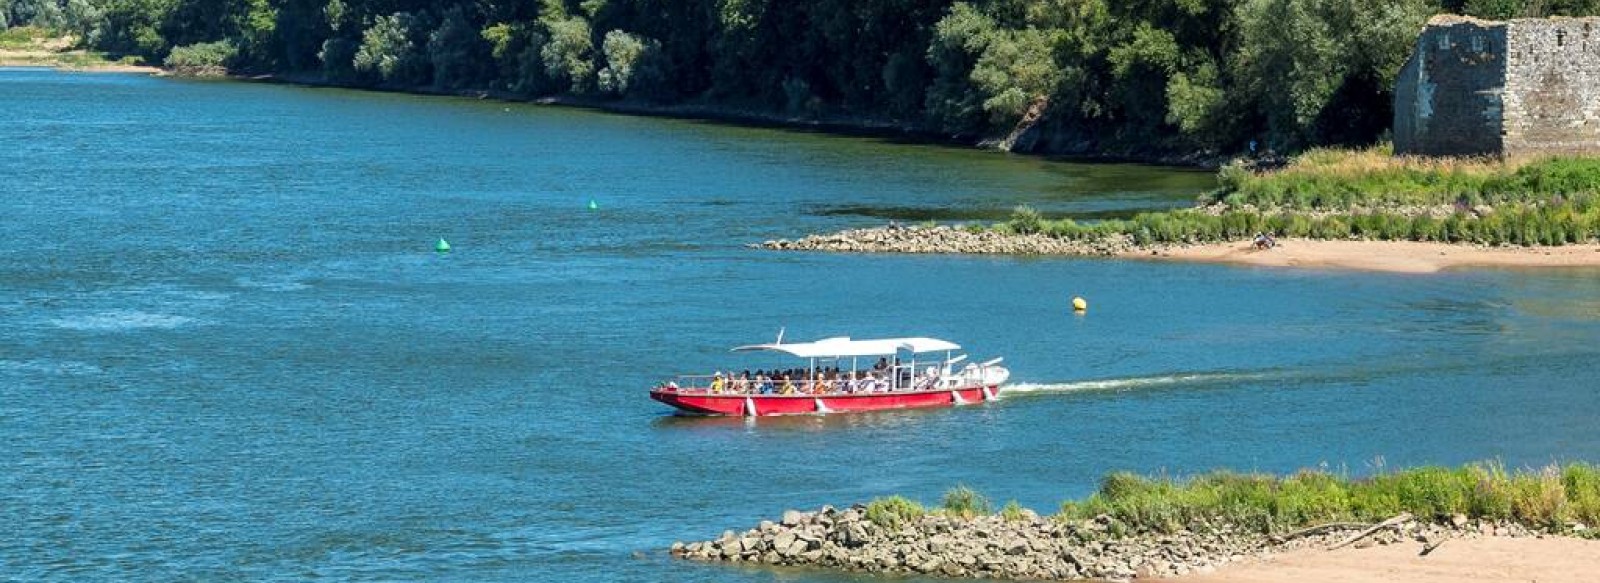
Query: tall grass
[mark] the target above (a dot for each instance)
(1567, 222)
(1327, 179)
(894, 511)
(965, 502)
(1550, 497)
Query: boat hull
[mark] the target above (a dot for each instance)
(703, 403)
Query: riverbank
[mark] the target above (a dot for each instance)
(25, 47)
(1485, 559)
(1363, 255)
(1150, 528)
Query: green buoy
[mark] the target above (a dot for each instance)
(594, 206)
(442, 246)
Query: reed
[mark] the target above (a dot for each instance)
(1554, 497)
(1330, 179)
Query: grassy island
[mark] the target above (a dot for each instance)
(1556, 498)
(1153, 527)
(1369, 195)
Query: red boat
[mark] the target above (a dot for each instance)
(825, 385)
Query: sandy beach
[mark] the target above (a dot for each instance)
(1547, 560)
(1387, 256)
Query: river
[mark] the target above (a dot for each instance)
(230, 352)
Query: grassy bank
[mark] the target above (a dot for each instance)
(1555, 498)
(1370, 194)
(28, 46)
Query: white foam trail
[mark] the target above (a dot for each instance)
(1131, 383)
(117, 320)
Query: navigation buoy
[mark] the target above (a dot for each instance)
(442, 246)
(1079, 305)
(594, 206)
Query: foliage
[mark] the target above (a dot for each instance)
(1549, 497)
(1341, 179)
(894, 511)
(1012, 512)
(965, 502)
(202, 59)
(632, 64)
(390, 50)
(1151, 75)
(568, 52)
(457, 51)
(1025, 220)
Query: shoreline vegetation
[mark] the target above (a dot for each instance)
(26, 46)
(1152, 527)
(1159, 80)
(1363, 209)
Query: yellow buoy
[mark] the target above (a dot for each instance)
(1079, 305)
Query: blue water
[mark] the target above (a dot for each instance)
(227, 350)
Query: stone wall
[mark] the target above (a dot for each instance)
(1552, 87)
(1448, 95)
(1477, 87)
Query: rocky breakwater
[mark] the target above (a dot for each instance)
(1031, 547)
(946, 239)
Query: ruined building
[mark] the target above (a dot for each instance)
(1524, 87)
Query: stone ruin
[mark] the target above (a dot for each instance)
(1506, 89)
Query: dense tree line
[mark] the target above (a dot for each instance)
(1147, 74)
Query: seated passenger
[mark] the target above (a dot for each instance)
(788, 386)
(766, 384)
(716, 383)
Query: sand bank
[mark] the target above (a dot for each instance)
(1546, 560)
(1389, 256)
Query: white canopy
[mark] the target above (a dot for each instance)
(844, 346)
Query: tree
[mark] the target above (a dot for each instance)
(457, 51)
(632, 64)
(569, 54)
(390, 50)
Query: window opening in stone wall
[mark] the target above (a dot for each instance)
(1561, 38)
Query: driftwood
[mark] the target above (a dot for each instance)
(1430, 546)
(1403, 518)
(1316, 530)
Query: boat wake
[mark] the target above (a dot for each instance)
(1134, 383)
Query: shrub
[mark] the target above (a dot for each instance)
(202, 59)
(894, 511)
(1025, 220)
(1012, 511)
(965, 502)
(632, 64)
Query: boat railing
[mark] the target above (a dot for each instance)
(806, 387)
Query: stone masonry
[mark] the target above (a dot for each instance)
(1483, 88)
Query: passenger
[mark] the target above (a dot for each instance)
(788, 386)
(716, 383)
(741, 385)
(766, 384)
(883, 363)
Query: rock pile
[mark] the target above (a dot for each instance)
(946, 239)
(1031, 547)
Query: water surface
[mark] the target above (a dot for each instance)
(229, 352)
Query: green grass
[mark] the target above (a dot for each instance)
(1328, 179)
(1550, 497)
(1371, 195)
(23, 37)
(894, 511)
(965, 502)
(1566, 222)
(1554, 497)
